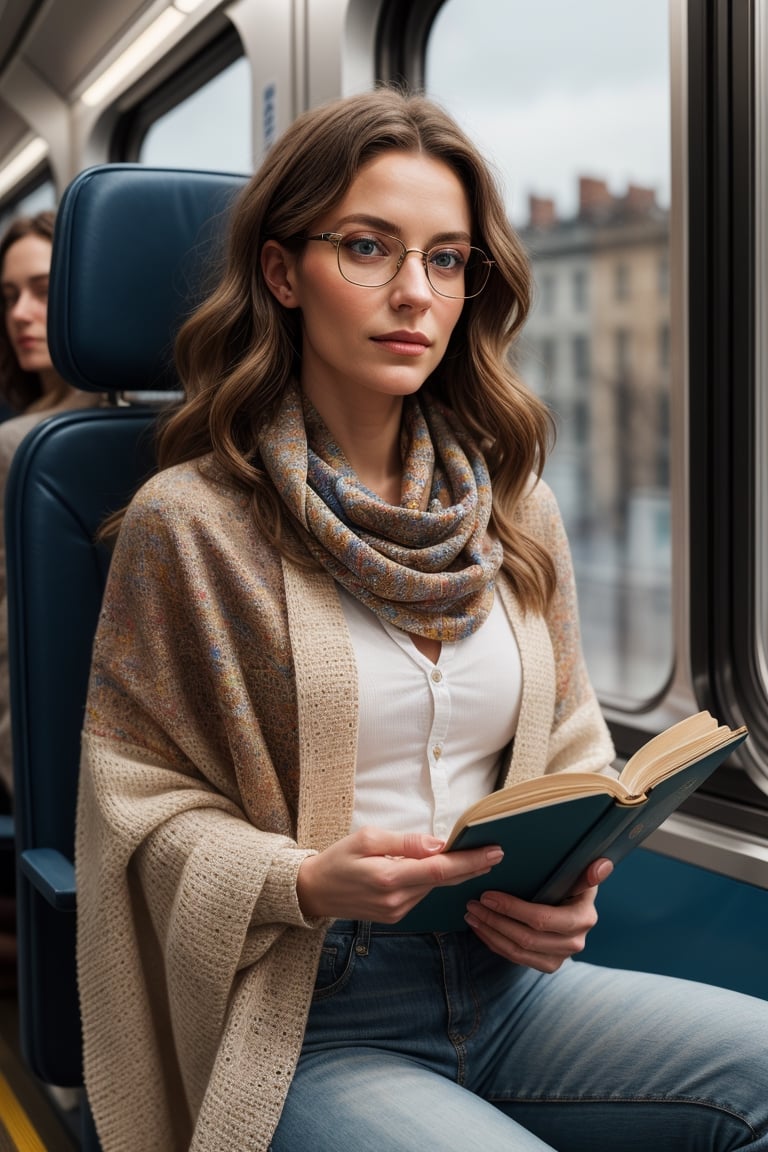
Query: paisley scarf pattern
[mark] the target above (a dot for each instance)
(426, 566)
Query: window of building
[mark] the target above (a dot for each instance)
(547, 286)
(549, 356)
(664, 347)
(622, 362)
(580, 349)
(621, 281)
(580, 283)
(581, 421)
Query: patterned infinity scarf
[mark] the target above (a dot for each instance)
(426, 566)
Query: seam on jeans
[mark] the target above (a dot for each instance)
(461, 1055)
(458, 1040)
(467, 981)
(685, 1100)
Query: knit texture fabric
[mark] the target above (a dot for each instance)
(425, 566)
(219, 750)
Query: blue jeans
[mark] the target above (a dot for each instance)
(431, 1042)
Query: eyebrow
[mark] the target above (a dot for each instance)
(42, 278)
(394, 230)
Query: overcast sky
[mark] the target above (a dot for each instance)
(551, 89)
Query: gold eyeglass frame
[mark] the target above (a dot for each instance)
(335, 238)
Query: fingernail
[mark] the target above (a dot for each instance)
(604, 870)
(432, 844)
(493, 855)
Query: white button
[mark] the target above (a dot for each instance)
(437, 751)
(437, 675)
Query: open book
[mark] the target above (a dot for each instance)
(553, 827)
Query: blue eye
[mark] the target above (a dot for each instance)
(364, 246)
(447, 260)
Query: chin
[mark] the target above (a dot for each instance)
(399, 391)
(34, 363)
(405, 385)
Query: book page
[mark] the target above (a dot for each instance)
(673, 749)
(666, 753)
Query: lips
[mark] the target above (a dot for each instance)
(403, 336)
(403, 342)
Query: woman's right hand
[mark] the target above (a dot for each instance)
(373, 874)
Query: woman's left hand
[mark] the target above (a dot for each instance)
(538, 935)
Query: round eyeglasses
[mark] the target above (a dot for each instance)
(372, 259)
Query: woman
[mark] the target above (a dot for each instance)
(343, 609)
(30, 386)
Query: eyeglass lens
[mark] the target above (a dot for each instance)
(372, 259)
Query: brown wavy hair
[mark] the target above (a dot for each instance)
(237, 353)
(18, 388)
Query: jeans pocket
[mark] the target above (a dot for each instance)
(337, 963)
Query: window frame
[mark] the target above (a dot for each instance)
(40, 175)
(725, 660)
(153, 103)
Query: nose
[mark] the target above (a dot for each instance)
(22, 308)
(411, 283)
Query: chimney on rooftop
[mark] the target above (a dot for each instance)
(639, 200)
(541, 212)
(594, 197)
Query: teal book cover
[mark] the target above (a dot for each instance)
(547, 848)
(533, 842)
(616, 838)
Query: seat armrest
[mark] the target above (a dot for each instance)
(51, 874)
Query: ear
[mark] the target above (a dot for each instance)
(277, 266)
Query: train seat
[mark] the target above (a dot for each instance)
(660, 914)
(132, 247)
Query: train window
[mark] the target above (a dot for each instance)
(572, 103)
(209, 128)
(36, 199)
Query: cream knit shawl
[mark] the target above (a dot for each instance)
(218, 751)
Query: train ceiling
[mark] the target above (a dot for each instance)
(61, 42)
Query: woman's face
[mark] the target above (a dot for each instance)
(24, 277)
(361, 344)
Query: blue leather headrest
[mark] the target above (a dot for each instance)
(134, 249)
